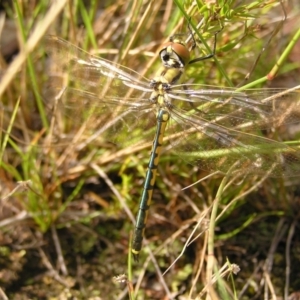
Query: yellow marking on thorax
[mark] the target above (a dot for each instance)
(169, 75)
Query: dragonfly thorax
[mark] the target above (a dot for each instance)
(159, 96)
(166, 77)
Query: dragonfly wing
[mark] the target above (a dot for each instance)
(230, 108)
(113, 118)
(106, 97)
(216, 131)
(87, 71)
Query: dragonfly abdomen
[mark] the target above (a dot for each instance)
(162, 119)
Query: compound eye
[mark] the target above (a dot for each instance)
(180, 50)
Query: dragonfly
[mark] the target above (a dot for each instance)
(211, 127)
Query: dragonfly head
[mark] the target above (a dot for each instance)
(174, 54)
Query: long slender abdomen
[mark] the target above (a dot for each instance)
(162, 119)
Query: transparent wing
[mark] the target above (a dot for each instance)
(117, 120)
(212, 127)
(222, 127)
(106, 97)
(86, 70)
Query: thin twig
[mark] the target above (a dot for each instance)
(60, 257)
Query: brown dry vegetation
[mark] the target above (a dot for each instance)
(66, 207)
